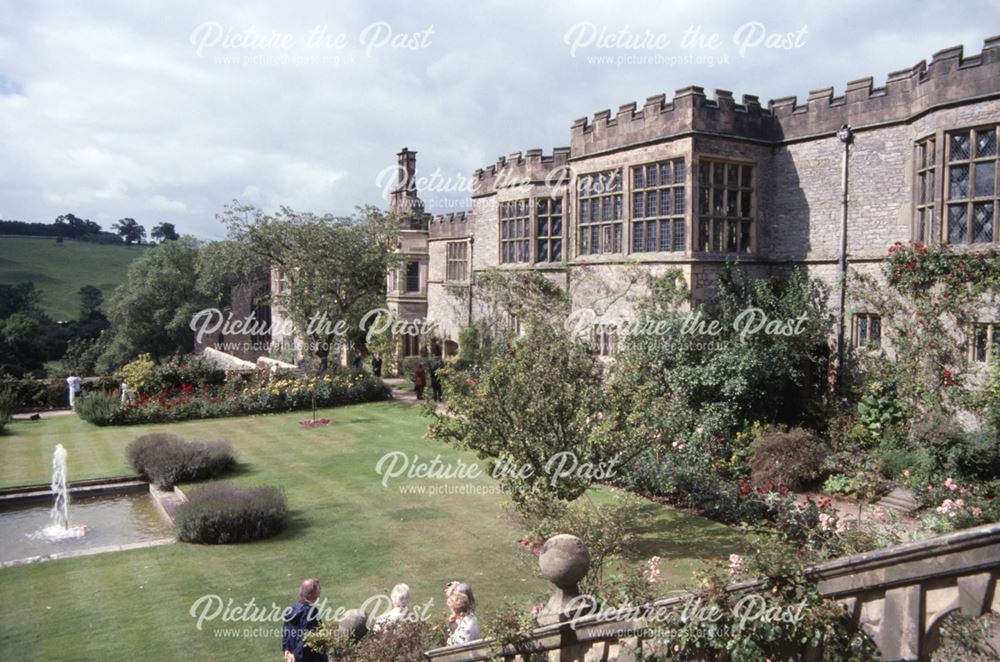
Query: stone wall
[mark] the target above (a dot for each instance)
(798, 169)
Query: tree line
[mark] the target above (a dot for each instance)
(71, 226)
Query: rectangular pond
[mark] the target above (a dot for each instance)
(106, 520)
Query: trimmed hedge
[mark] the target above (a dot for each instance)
(34, 394)
(223, 513)
(166, 459)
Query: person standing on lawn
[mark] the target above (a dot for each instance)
(73, 382)
(420, 380)
(436, 365)
(299, 619)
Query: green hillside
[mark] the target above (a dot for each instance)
(60, 270)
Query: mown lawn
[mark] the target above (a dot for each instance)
(350, 531)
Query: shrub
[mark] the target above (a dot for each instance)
(612, 531)
(140, 373)
(404, 640)
(223, 513)
(6, 406)
(955, 452)
(177, 371)
(248, 397)
(792, 458)
(98, 408)
(166, 459)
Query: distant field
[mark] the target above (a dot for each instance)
(60, 270)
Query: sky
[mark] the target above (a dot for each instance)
(165, 112)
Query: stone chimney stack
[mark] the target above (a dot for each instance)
(404, 196)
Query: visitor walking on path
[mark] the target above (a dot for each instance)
(299, 619)
(73, 382)
(420, 380)
(377, 366)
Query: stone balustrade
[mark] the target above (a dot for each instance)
(898, 595)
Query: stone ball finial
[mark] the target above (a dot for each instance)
(564, 560)
(354, 624)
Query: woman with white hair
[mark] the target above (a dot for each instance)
(463, 622)
(400, 599)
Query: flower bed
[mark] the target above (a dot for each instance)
(241, 399)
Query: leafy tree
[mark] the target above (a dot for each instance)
(130, 231)
(664, 386)
(151, 311)
(503, 298)
(335, 267)
(20, 346)
(91, 300)
(535, 401)
(82, 354)
(164, 232)
(70, 225)
(224, 265)
(21, 298)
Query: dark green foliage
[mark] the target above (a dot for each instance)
(665, 385)
(91, 300)
(7, 403)
(167, 460)
(130, 231)
(952, 451)
(791, 458)
(223, 513)
(403, 641)
(164, 232)
(152, 312)
(98, 407)
(537, 399)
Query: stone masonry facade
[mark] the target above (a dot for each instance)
(694, 182)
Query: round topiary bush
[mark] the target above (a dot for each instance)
(166, 459)
(791, 458)
(223, 513)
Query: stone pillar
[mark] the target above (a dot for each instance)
(564, 561)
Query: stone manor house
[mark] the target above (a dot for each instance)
(695, 181)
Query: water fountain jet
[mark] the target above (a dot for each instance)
(59, 529)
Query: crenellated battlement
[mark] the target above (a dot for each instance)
(521, 169)
(450, 225)
(949, 77)
(451, 217)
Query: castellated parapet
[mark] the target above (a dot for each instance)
(949, 78)
(517, 169)
(450, 226)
